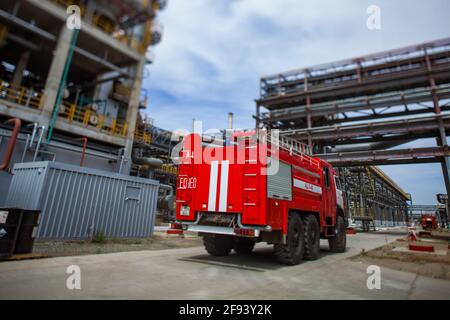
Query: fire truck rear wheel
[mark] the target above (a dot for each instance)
(218, 245)
(339, 242)
(292, 252)
(243, 245)
(312, 237)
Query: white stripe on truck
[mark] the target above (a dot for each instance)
(213, 185)
(307, 186)
(223, 195)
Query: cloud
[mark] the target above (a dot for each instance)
(214, 51)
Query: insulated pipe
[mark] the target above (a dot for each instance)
(154, 163)
(25, 148)
(33, 135)
(38, 145)
(83, 154)
(12, 143)
(167, 187)
(167, 201)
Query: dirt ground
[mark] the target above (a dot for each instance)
(158, 241)
(395, 256)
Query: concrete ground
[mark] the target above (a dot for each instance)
(189, 273)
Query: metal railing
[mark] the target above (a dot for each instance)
(142, 136)
(169, 169)
(294, 147)
(87, 117)
(32, 99)
(107, 26)
(21, 95)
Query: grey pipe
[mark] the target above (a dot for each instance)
(25, 148)
(239, 222)
(153, 163)
(38, 145)
(167, 187)
(369, 146)
(33, 135)
(167, 202)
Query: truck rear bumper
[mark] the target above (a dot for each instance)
(221, 230)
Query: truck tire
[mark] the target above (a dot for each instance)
(338, 243)
(218, 245)
(243, 245)
(292, 252)
(312, 237)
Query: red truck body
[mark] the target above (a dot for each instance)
(232, 190)
(429, 222)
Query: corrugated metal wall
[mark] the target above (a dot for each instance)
(279, 185)
(79, 202)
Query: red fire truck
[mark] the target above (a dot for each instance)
(260, 189)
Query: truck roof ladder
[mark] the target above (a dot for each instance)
(294, 147)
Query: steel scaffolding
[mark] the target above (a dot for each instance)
(357, 112)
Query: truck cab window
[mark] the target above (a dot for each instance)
(326, 176)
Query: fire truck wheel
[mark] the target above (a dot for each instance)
(292, 252)
(243, 245)
(219, 245)
(312, 237)
(339, 241)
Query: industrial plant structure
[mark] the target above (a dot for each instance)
(358, 112)
(78, 92)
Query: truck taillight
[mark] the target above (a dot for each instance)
(185, 210)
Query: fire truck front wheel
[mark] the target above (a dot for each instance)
(218, 245)
(339, 241)
(292, 252)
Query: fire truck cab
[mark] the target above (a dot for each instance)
(260, 189)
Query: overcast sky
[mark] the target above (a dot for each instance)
(213, 53)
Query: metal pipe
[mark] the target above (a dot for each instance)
(12, 143)
(230, 121)
(62, 84)
(25, 148)
(83, 153)
(122, 158)
(167, 187)
(264, 228)
(33, 135)
(38, 145)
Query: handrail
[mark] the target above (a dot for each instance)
(294, 147)
(20, 95)
(74, 113)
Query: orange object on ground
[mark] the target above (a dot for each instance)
(414, 247)
(175, 228)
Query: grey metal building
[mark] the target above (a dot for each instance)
(80, 203)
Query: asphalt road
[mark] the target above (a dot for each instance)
(191, 274)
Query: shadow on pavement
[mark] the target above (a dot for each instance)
(261, 259)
